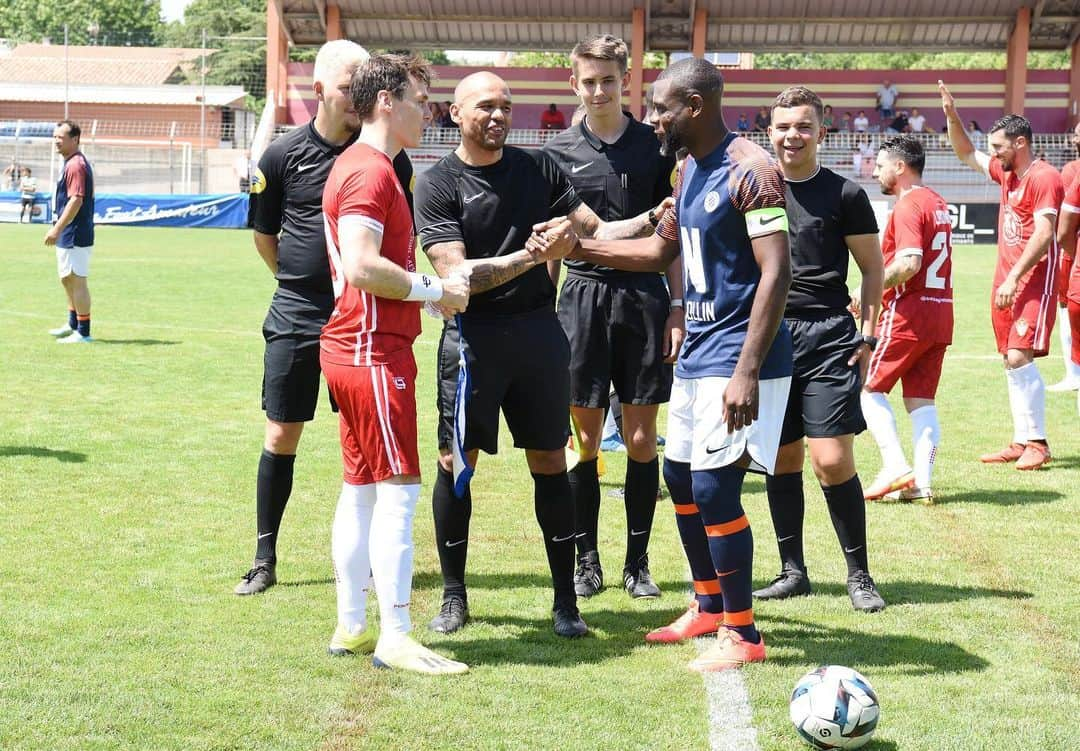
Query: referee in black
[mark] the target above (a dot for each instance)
(624, 329)
(829, 218)
(476, 209)
(287, 193)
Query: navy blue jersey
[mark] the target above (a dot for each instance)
(76, 179)
(721, 202)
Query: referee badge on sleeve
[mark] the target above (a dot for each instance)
(258, 181)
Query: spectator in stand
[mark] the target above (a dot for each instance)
(866, 157)
(899, 124)
(743, 125)
(762, 120)
(845, 123)
(445, 121)
(974, 129)
(10, 174)
(552, 119)
(28, 191)
(828, 121)
(917, 122)
(861, 123)
(886, 99)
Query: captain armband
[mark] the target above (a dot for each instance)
(424, 288)
(766, 221)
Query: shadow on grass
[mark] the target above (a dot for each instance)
(429, 579)
(141, 342)
(306, 582)
(41, 452)
(797, 642)
(1000, 497)
(902, 591)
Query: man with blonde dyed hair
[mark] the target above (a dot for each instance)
(624, 328)
(287, 190)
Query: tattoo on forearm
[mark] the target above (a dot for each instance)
(489, 274)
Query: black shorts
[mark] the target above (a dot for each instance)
(519, 364)
(290, 388)
(824, 397)
(616, 332)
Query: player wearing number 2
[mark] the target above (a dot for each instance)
(916, 323)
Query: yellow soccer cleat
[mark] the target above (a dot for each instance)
(345, 643)
(408, 654)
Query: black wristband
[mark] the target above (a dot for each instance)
(869, 341)
(654, 220)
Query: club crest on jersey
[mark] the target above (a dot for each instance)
(400, 384)
(712, 200)
(1021, 326)
(1011, 228)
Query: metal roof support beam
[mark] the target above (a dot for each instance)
(700, 32)
(333, 22)
(1016, 62)
(277, 59)
(1074, 83)
(637, 62)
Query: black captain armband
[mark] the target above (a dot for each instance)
(654, 220)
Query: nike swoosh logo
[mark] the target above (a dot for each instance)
(265, 534)
(785, 539)
(454, 544)
(726, 573)
(305, 167)
(636, 532)
(718, 448)
(562, 539)
(578, 167)
(770, 220)
(470, 199)
(852, 550)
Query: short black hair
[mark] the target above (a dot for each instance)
(693, 75)
(1013, 125)
(388, 72)
(73, 128)
(908, 149)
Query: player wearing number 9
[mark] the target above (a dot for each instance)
(916, 323)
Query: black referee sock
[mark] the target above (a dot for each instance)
(555, 513)
(452, 515)
(787, 505)
(272, 490)
(585, 488)
(848, 512)
(642, 484)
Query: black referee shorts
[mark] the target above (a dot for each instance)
(824, 398)
(616, 329)
(517, 363)
(291, 370)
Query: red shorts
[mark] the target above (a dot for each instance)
(1030, 321)
(377, 418)
(914, 363)
(1074, 324)
(1063, 276)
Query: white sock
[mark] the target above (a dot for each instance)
(1065, 337)
(882, 424)
(927, 435)
(1072, 370)
(349, 550)
(392, 558)
(1030, 410)
(1016, 404)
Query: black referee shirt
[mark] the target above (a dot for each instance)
(822, 211)
(616, 180)
(492, 211)
(288, 189)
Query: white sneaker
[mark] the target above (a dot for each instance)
(914, 494)
(60, 330)
(1065, 384)
(74, 338)
(408, 654)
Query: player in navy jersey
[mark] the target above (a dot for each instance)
(287, 191)
(734, 369)
(624, 328)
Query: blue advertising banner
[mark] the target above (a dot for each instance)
(227, 210)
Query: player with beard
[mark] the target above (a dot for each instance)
(916, 324)
(623, 327)
(476, 209)
(1070, 173)
(287, 193)
(1022, 297)
(831, 219)
(734, 368)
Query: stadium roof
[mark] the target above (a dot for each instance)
(733, 25)
(165, 94)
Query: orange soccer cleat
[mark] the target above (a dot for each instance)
(730, 651)
(1008, 454)
(1035, 456)
(888, 481)
(688, 625)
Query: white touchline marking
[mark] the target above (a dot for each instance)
(731, 725)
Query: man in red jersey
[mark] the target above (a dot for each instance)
(366, 355)
(916, 323)
(1023, 294)
(1070, 173)
(1067, 235)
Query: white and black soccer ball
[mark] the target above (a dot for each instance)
(834, 707)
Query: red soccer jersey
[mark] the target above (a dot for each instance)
(1070, 176)
(365, 329)
(922, 307)
(1038, 192)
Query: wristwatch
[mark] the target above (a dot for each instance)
(869, 341)
(654, 220)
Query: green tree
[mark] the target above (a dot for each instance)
(902, 60)
(562, 60)
(115, 22)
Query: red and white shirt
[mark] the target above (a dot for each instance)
(922, 307)
(1039, 192)
(363, 329)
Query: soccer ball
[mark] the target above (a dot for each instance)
(834, 707)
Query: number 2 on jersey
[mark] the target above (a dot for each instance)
(692, 260)
(934, 280)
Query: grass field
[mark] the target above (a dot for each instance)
(127, 473)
